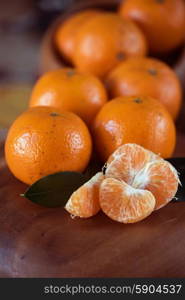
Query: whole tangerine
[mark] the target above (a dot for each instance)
(104, 41)
(66, 32)
(148, 77)
(162, 21)
(140, 120)
(71, 90)
(45, 140)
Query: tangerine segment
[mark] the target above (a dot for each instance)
(84, 202)
(127, 161)
(123, 203)
(161, 179)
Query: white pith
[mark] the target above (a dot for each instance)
(142, 177)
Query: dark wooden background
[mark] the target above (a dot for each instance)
(22, 25)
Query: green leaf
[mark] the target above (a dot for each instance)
(54, 190)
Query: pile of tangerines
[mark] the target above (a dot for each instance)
(113, 99)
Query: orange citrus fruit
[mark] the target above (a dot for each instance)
(70, 90)
(45, 140)
(104, 41)
(123, 203)
(141, 169)
(162, 21)
(84, 202)
(147, 77)
(140, 120)
(66, 32)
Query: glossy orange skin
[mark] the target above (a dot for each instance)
(140, 120)
(66, 32)
(104, 41)
(45, 140)
(147, 77)
(68, 89)
(162, 21)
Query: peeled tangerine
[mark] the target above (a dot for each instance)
(136, 182)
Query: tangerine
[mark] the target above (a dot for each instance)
(140, 120)
(69, 89)
(104, 41)
(66, 32)
(158, 81)
(162, 21)
(45, 140)
(142, 169)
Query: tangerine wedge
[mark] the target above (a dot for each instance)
(84, 202)
(123, 203)
(161, 179)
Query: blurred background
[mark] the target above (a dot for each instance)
(22, 25)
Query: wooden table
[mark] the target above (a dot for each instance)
(42, 242)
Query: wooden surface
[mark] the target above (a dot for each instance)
(42, 242)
